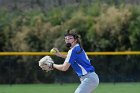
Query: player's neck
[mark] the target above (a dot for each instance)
(73, 45)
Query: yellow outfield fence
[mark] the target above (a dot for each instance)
(48, 53)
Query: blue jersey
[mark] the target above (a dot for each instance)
(79, 61)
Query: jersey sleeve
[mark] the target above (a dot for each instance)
(71, 56)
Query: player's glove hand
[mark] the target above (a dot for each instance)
(50, 65)
(46, 63)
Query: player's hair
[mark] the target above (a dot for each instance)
(71, 33)
(76, 36)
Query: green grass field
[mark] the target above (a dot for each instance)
(69, 88)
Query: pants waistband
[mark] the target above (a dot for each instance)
(86, 74)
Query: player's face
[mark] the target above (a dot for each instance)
(69, 39)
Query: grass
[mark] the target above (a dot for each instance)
(69, 88)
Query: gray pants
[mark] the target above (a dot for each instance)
(88, 83)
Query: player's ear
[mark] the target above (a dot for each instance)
(76, 41)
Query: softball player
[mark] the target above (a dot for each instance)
(78, 59)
